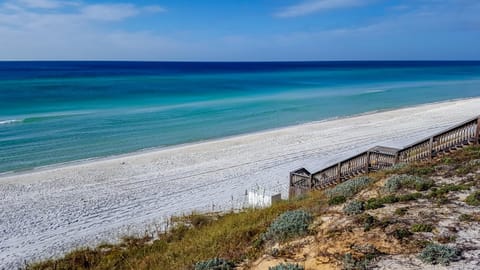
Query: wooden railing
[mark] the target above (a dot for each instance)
(379, 157)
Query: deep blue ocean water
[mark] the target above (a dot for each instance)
(55, 112)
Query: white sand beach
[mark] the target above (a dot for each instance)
(48, 212)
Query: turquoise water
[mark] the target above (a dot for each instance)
(55, 112)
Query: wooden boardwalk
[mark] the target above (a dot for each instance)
(380, 157)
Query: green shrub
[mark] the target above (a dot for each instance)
(422, 228)
(421, 170)
(473, 199)
(445, 189)
(439, 254)
(397, 182)
(400, 234)
(373, 203)
(287, 266)
(214, 264)
(349, 188)
(410, 197)
(337, 200)
(353, 208)
(289, 224)
(393, 183)
(389, 199)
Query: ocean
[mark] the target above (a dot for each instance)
(58, 112)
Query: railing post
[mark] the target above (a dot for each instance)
(477, 134)
(367, 165)
(430, 149)
(290, 191)
(310, 180)
(339, 171)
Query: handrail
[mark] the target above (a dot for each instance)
(380, 157)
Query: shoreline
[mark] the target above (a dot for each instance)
(49, 212)
(153, 150)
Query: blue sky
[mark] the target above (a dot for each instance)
(240, 30)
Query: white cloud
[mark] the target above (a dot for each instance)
(109, 12)
(46, 4)
(312, 6)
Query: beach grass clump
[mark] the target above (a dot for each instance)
(287, 266)
(354, 208)
(373, 203)
(473, 199)
(397, 182)
(447, 188)
(349, 188)
(439, 254)
(214, 264)
(337, 200)
(410, 197)
(289, 224)
(420, 227)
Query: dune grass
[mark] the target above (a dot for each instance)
(194, 238)
(234, 236)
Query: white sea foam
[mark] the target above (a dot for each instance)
(10, 121)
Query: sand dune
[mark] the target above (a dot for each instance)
(47, 212)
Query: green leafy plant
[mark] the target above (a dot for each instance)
(337, 200)
(287, 266)
(373, 203)
(289, 224)
(214, 264)
(422, 227)
(410, 197)
(473, 199)
(445, 189)
(353, 208)
(439, 254)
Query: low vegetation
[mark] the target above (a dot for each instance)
(287, 266)
(473, 199)
(289, 224)
(399, 212)
(353, 208)
(214, 264)
(420, 227)
(397, 182)
(349, 188)
(439, 254)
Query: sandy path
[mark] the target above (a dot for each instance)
(45, 213)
